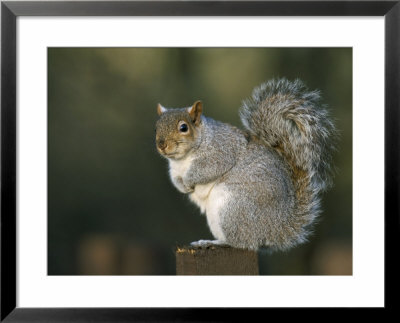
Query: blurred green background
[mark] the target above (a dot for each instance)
(111, 207)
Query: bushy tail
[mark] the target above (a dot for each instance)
(289, 118)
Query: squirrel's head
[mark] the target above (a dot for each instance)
(178, 130)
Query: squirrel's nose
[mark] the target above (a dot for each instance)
(161, 144)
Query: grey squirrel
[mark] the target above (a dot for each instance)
(259, 187)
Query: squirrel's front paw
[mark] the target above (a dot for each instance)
(180, 185)
(189, 189)
(186, 190)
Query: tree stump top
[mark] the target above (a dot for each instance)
(215, 260)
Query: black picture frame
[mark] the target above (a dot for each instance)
(10, 11)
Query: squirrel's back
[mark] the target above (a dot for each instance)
(290, 119)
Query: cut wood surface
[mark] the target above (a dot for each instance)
(215, 260)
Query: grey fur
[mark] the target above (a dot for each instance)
(274, 171)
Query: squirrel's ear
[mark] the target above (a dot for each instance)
(195, 112)
(160, 109)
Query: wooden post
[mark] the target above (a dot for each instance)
(216, 260)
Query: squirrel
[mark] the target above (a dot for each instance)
(259, 187)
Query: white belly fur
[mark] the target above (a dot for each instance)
(211, 198)
(179, 167)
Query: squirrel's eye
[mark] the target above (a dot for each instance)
(183, 127)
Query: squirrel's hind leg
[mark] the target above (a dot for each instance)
(207, 243)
